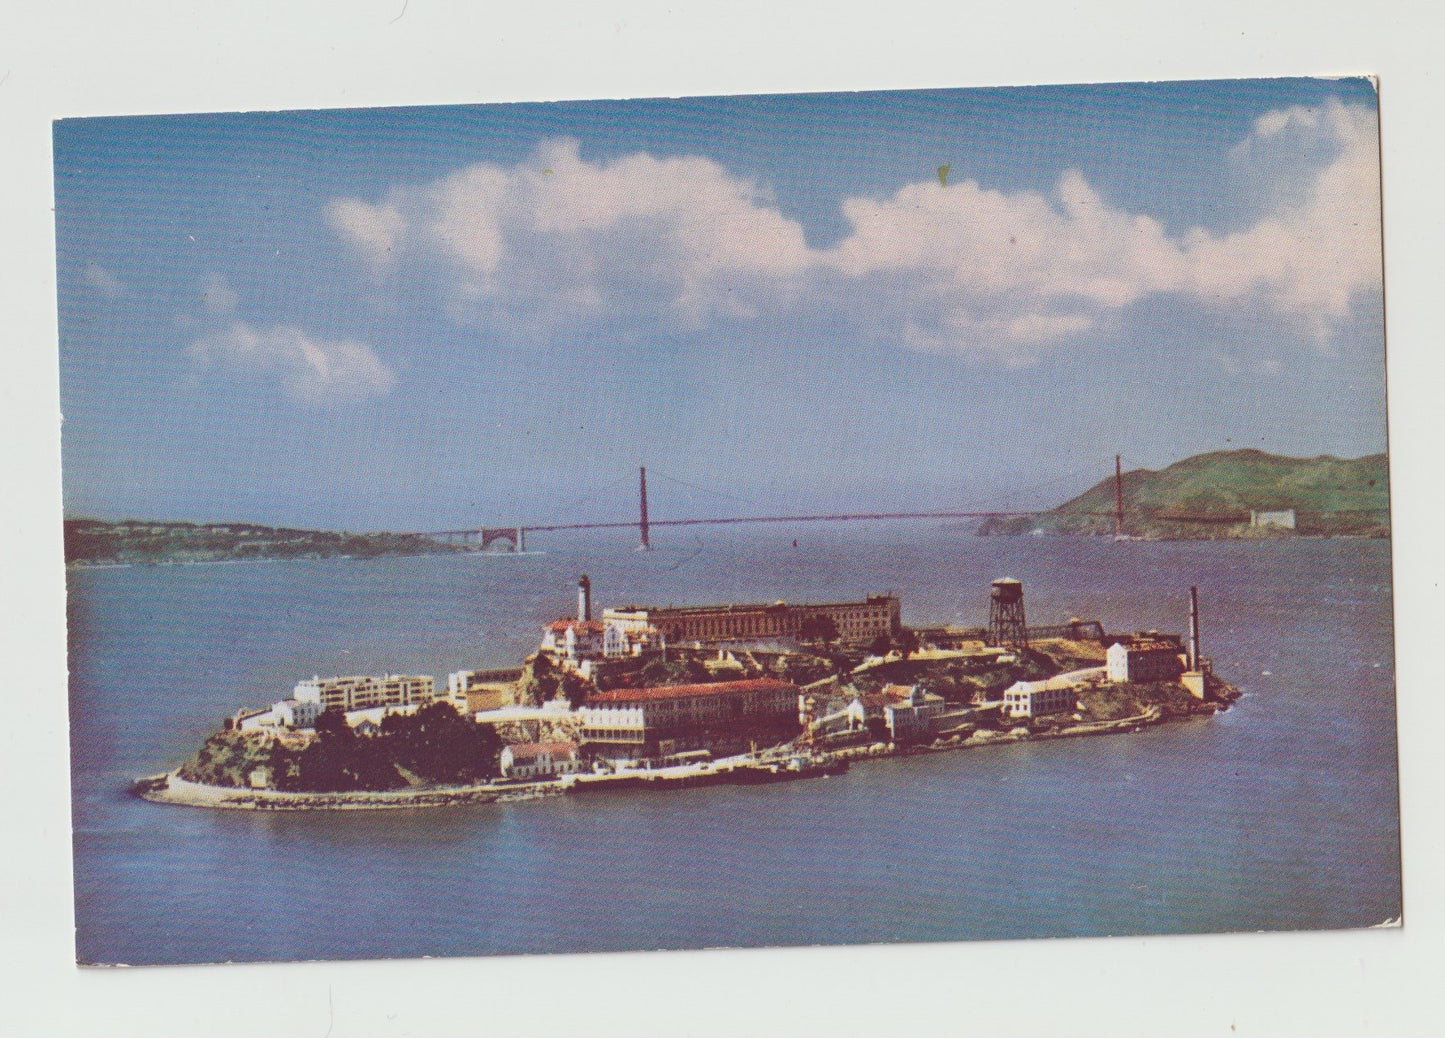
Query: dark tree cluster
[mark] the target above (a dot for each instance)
(818, 628)
(438, 744)
(435, 745)
(547, 680)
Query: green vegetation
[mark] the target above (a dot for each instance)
(93, 541)
(804, 669)
(1210, 496)
(542, 680)
(434, 746)
(1110, 702)
(965, 681)
(675, 668)
(228, 758)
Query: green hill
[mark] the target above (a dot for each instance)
(1212, 495)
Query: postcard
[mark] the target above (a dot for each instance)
(942, 515)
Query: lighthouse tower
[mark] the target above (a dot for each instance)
(584, 598)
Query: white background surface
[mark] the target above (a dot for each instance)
(147, 58)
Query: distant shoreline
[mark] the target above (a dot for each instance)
(88, 564)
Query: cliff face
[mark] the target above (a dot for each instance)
(1211, 496)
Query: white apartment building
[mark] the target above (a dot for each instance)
(362, 693)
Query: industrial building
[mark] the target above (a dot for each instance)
(638, 722)
(857, 622)
(1148, 656)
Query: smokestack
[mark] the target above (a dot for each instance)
(584, 598)
(1193, 628)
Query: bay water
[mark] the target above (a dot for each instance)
(1279, 814)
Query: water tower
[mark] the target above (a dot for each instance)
(1006, 624)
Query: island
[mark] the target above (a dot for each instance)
(675, 697)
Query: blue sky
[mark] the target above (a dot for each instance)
(432, 317)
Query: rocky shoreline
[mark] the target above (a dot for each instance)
(170, 788)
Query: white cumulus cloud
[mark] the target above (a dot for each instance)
(558, 239)
(309, 369)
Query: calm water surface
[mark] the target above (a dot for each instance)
(1279, 814)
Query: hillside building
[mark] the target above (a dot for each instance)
(473, 690)
(857, 622)
(288, 713)
(628, 633)
(570, 642)
(640, 722)
(907, 711)
(362, 693)
(1146, 657)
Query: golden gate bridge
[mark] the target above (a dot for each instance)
(515, 536)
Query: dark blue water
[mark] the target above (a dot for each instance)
(1279, 814)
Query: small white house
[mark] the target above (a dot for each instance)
(539, 760)
(906, 710)
(627, 633)
(296, 713)
(1282, 518)
(289, 713)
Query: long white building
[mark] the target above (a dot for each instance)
(364, 692)
(1054, 695)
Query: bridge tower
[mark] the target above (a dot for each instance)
(646, 543)
(1006, 624)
